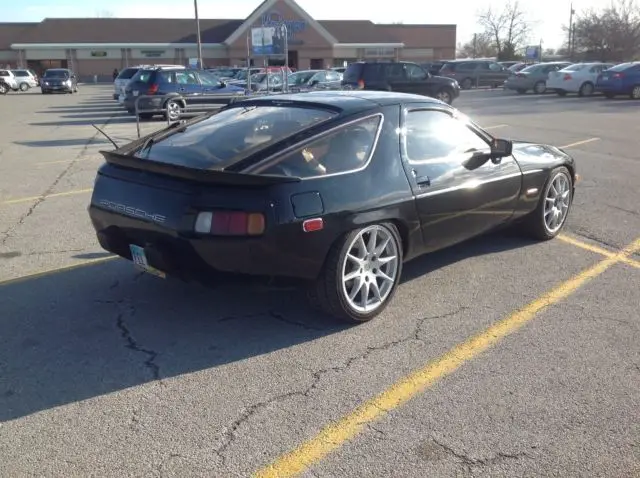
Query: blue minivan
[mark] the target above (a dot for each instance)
(173, 92)
(622, 79)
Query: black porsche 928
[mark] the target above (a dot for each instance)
(335, 188)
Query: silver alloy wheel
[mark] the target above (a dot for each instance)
(443, 95)
(370, 269)
(635, 93)
(540, 87)
(24, 87)
(173, 111)
(557, 202)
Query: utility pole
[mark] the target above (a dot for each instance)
(571, 34)
(195, 6)
(475, 45)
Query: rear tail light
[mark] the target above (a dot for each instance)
(618, 75)
(361, 84)
(520, 75)
(567, 77)
(230, 223)
(153, 89)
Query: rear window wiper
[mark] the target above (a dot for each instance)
(177, 127)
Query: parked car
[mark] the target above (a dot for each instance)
(59, 79)
(578, 78)
(224, 72)
(533, 77)
(474, 73)
(306, 80)
(4, 87)
(9, 79)
(262, 82)
(322, 187)
(125, 76)
(25, 79)
(518, 67)
(622, 79)
(169, 91)
(403, 76)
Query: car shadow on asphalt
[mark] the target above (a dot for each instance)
(99, 329)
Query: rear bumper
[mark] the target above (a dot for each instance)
(193, 257)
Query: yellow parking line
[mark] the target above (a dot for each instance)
(47, 196)
(336, 434)
(48, 272)
(578, 143)
(65, 161)
(598, 250)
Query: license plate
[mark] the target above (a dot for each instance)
(139, 259)
(135, 93)
(605, 78)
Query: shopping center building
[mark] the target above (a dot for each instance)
(97, 46)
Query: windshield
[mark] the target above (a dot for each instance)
(532, 68)
(620, 67)
(576, 67)
(230, 135)
(300, 78)
(56, 74)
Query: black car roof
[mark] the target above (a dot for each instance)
(347, 100)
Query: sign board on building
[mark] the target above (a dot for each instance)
(274, 18)
(193, 62)
(379, 52)
(99, 54)
(532, 52)
(152, 53)
(268, 41)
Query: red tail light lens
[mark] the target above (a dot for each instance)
(153, 89)
(361, 84)
(230, 223)
(567, 77)
(618, 75)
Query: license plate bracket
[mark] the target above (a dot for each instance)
(141, 263)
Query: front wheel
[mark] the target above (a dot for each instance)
(173, 110)
(4, 89)
(24, 86)
(635, 93)
(539, 88)
(361, 274)
(445, 95)
(556, 199)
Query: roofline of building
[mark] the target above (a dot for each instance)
(56, 46)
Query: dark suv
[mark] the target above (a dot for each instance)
(470, 73)
(59, 79)
(402, 76)
(169, 91)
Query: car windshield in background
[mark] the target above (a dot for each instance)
(56, 74)
(533, 68)
(127, 73)
(258, 77)
(300, 78)
(620, 67)
(231, 135)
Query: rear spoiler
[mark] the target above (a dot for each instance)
(202, 176)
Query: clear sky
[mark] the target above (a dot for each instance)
(548, 15)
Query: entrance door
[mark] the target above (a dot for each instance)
(293, 59)
(317, 64)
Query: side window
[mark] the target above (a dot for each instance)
(495, 67)
(394, 71)
(186, 78)
(344, 150)
(333, 76)
(432, 134)
(208, 80)
(4, 73)
(414, 72)
(482, 66)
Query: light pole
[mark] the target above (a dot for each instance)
(195, 6)
(570, 45)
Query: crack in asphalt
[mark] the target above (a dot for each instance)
(469, 461)
(591, 237)
(132, 344)
(629, 211)
(230, 431)
(6, 234)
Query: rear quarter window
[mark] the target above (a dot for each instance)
(143, 76)
(127, 73)
(232, 134)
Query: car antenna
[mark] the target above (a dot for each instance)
(106, 136)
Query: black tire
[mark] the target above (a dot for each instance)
(24, 86)
(466, 84)
(170, 107)
(586, 89)
(540, 87)
(327, 293)
(534, 224)
(4, 89)
(446, 95)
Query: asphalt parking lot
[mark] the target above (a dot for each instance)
(498, 357)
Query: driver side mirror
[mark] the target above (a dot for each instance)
(223, 83)
(501, 148)
(314, 83)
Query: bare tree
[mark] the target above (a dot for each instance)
(508, 28)
(609, 34)
(481, 46)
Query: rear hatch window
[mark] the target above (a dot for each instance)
(353, 73)
(231, 135)
(127, 73)
(142, 76)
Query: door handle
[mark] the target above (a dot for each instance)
(423, 181)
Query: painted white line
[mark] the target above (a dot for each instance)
(578, 143)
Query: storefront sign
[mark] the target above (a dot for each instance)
(379, 52)
(152, 53)
(268, 41)
(99, 54)
(275, 18)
